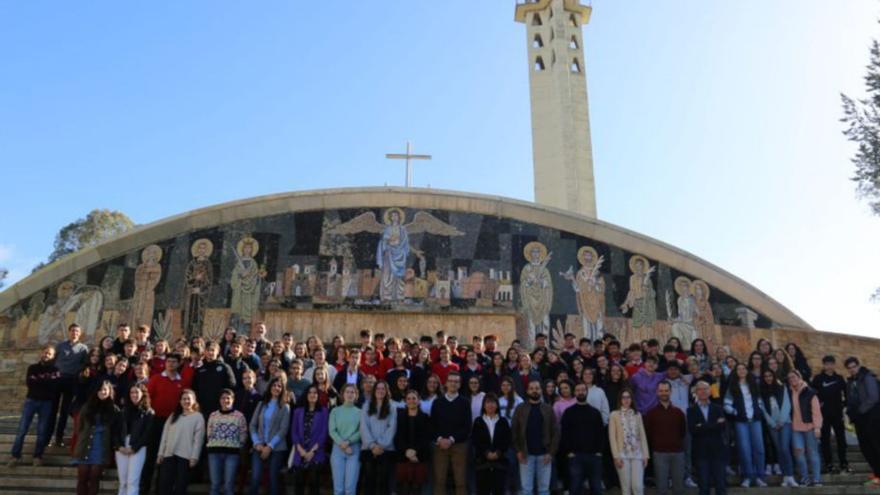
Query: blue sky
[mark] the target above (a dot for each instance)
(715, 124)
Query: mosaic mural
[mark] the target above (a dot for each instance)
(386, 260)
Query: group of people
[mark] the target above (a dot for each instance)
(389, 415)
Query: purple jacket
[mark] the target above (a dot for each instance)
(318, 435)
(645, 389)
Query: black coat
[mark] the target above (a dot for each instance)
(139, 431)
(412, 433)
(708, 438)
(499, 443)
(209, 380)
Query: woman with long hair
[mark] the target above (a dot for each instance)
(412, 445)
(308, 436)
(799, 360)
(555, 365)
(614, 385)
(398, 391)
(327, 395)
(764, 347)
(786, 364)
(476, 394)
(92, 453)
(629, 445)
(273, 370)
(340, 358)
(130, 438)
(742, 401)
(493, 374)
(508, 401)
(491, 440)
(430, 393)
(378, 426)
(806, 425)
(227, 436)
(345, 430)
(566, 398)
(756, 364)
(420, 368)
(181, 445)
(596, 397)
(777, 415)
(268, 429)
(700, 352)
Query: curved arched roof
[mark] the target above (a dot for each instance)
(408, 198)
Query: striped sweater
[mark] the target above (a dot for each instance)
(227, 431)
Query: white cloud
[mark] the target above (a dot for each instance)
(7, 252)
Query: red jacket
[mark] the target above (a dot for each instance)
(164, 394)
(443, 371)
(376, 369)
(157, 365)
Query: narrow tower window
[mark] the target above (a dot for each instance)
(575, 66)
(573, 20)
(539, 64)
(574, 43)
(538, 42)
(536, 20)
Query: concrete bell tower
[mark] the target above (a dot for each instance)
(561, 145)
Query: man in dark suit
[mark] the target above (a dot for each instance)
(709, 447)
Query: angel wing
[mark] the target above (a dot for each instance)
(365, 222)
(425, 222)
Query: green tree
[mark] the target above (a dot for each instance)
(95, 228)
(862, 119)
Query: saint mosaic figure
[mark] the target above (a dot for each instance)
(246, 280)
(394, 247)
(641, 297)
(199, 277)
(704, 319)
(84, 305)
(536, 290)
(146, 278)
(589, 288)
(683, 326)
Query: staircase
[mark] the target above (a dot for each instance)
(57, 476)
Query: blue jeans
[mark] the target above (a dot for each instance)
(43, 410)
(345, 469)
(535, 470)
(782, 442)
(223, 468)
(583, 467)
(275, 462)
(804, 442)
(711, 472)
(750, 443)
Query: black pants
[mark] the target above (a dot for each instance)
(835, 422)
(868, 433)
(491, 481)
(62, 405)
(307, 477)
(88, 479)
(174, 476)
(376, 472)
(154, 437)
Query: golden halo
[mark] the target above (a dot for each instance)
(209, 247)
(702, 285)
(585, 249)
(679, 282)
(65, 284)
(637, 257)
(387, 216)
(527, 251)
(248, 240)
(151, 251)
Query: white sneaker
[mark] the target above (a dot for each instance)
(746, 483)
(768, 470)
(730, 472)
(760, 482)
(689, 482)
(777, 470)
(789, 481)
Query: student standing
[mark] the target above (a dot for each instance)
(93, 451)
(345, 431)
(806, 425)
(707, 427)
(629, 445)
(536, 439)
(308, 434)
(491, 439)
(411, 442)
(227, 434)
(70, 357)
(268, 428)
(741, 402)
(42, 379)
(831, 389)
(863, 408)
(776, 403)
(666, 427)
(133, 426)
(451, 426)
(582, 443)
(378, 426)
(183, 436)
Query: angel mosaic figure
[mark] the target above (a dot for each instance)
(641, 297)
(246, 281)
(683, 325)
(394, 247)
(146, 278)
(704, 319)
(536, 290)
(589, 288)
